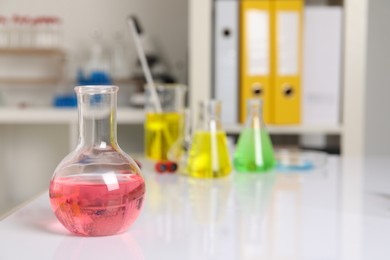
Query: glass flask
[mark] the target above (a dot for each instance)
(97, 190)
(254, 151)
(162, 129)
(179, 150)
(209, 154)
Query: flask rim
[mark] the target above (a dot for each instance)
(210, 103)
(96, 89)
(255, 101)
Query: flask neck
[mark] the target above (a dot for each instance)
(255, 114)
(210, 116)
(97, 118)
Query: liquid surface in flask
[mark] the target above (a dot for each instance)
(161, 132)
(97, 205)
(209, 155)
(254, 151)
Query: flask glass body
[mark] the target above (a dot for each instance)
(254, 150)
(97, 189)
(209, 154)
(163, 128)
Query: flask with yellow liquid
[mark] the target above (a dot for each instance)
(209, 154)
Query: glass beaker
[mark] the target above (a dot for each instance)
(163, 128)
(254, 151)
(209, 154)
(97, 189)
(179, 150)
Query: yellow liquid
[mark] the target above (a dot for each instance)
(209, 155)
(161, 132)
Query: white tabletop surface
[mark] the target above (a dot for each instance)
(340, 212)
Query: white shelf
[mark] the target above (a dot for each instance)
(292, 129)
(42, 115)
(9, 115)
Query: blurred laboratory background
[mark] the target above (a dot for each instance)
(334, 98)
(49, 47)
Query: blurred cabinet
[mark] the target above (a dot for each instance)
(351, 130)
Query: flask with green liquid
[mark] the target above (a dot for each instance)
(254, 151)
(209, 154)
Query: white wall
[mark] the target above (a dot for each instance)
(165, 21)
(377, 116)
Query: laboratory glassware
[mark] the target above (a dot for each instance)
(209, 153)
(179, 150)
(254, 151)
(97, 189)
(162, 129)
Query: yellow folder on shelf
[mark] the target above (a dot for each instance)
(287, 27)
(255, 55)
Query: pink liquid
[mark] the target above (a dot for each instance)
(90, 205)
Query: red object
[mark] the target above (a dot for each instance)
(165, 166)
(160, 167)
(171, 166)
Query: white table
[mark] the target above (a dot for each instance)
(342, 212)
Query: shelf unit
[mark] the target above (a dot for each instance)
(354, 70)
(37, 115)
(33, 52)
(44, 117)
(31, 76)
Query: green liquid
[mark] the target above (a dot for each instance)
(254, 151)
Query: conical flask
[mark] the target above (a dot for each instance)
(254, 151)
(209, 154)
(97, 190)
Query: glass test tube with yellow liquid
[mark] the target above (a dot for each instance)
(162, 129)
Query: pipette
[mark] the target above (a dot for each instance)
(136, 31)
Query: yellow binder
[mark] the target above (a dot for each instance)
(287, 37)
(255, 52)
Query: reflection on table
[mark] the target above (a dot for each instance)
(339, 212)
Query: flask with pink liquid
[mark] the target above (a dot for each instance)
(97, 190)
